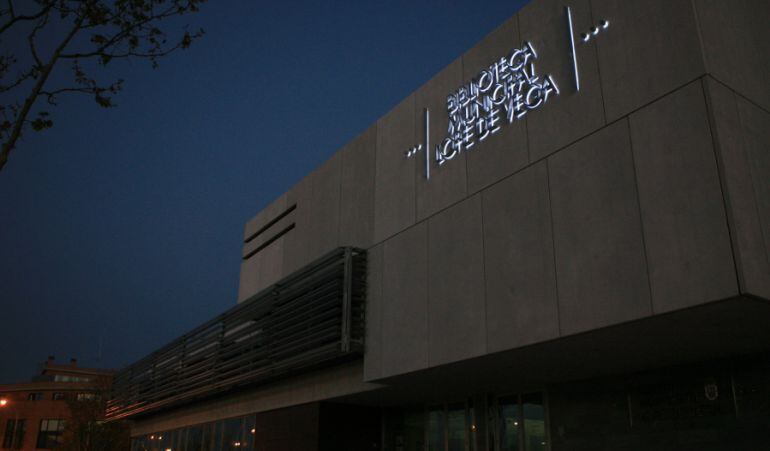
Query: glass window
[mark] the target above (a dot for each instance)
(140, 444)
(472, 426)
(66, 378)
(436, 429)
(208, 432)
(85, 396)
(508, 417)
(216, 436)
(194, 438)
(34, 396)
(414, 431)
(404, 430)
(167, 441)
(13, 436)
(249, 432)
(456, 429)
(49, 435)
(58, 396)
(172, 441)
(181, 440)
(232, 431)
(534, 422)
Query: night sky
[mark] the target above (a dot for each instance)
(121, 229)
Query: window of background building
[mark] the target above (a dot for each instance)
(85, 396)
(37, 396)
(66, 378)
(14, 434)
(50, 433)
(58, 396)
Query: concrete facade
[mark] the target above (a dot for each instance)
(643, 195)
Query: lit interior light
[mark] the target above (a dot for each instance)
(3, 402)
(595, 30)
(585, 37)
(253, 431)
(473, 427)
(604, 23)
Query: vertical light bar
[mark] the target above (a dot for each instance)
(574, 54)
(427, 143)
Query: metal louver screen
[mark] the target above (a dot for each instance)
(310, 319)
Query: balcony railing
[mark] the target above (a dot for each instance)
(310, 319)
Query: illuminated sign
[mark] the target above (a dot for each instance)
(503, 92)
(500, 94)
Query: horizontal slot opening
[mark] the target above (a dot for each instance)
(267, 243)
(271, 223)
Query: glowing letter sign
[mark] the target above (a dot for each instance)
(500, 94)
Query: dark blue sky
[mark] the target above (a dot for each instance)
(124, 225)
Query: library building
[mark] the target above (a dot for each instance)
(559, 242)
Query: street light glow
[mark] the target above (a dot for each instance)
(3, 402)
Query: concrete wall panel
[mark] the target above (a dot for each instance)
(405, 301)
(505, 152)
(317, 215)
(750, 232)
(268, 235)
(295, 249)
(447, 184)
(600, 262)
(249, 279)
(325, 207)
(735, 36)
(271, 264)
(456, 301)
(266, 215)
(756, 129)
(394, 195)
(255, 274)
(357, 196)
(374, 301)
(743, 137)
(650, 48)
(519, 266)
(572, 114)
(688, 245)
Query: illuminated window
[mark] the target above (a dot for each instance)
(50, 433)
(85, 396)
(66, 378)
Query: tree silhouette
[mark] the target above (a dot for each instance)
(43, 33)
(86, 430)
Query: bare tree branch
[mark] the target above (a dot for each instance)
(118, 29)
(16, 19)
(15, 133)
(31, 38)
